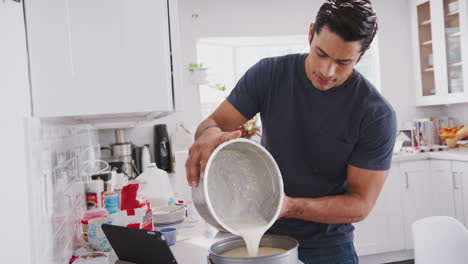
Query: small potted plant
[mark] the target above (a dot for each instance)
(218, 86)
(198, 73)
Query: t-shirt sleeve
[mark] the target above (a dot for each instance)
(249, 93)
(374, 148)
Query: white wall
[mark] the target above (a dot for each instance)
(459, 112)
(206, 18)
(14, 107)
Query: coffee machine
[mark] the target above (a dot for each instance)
(121, 151)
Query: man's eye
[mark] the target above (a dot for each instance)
(343, 63)
(321, 55)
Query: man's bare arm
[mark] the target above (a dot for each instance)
(364, 187)
(217, 128)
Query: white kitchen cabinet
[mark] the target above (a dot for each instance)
(382, 230)
(439, 30)
(99, 57)
(14, 109)
(460, 176)
(417, 197)
(443, 187)
(414, 190)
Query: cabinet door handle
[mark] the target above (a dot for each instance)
(18, 1)
(407, 180)
(454, 177)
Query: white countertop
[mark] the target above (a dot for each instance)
(192, 243)
(452, 154)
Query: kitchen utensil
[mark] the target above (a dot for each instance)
(170, 235)
(122, 151)
(290, 256)
(241, 178)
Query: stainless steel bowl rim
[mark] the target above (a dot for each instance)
(282, 254)
(205, 181)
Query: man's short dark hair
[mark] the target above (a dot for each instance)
(352, 20)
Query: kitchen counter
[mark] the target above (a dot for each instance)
(192, 243)
(455, 154)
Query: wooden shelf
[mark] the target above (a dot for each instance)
(454, 35)
(425, 22)
(456, 12)
(425, 43)
(456, 64)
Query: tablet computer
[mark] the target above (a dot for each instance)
(138, 245)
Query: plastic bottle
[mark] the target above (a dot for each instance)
(155, 186)
(95, 194)
(145, 158)
(181, 139)
(111, 199)
(120, 181)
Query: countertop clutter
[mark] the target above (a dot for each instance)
(459, 154)
(192, 243)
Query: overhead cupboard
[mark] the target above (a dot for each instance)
(103, 58)
(439, 31)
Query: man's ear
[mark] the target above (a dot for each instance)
(311, 32)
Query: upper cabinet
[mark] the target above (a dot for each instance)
(105, 57)
(441, 65)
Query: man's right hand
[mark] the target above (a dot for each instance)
(201, 151)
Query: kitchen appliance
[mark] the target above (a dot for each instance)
(136, 154)
(241, 178)
(162, 148)
(121, 151)
(141, 157)
(290, 256)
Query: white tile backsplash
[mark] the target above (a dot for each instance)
(58, 155)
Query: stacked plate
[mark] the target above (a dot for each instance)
(168, 215)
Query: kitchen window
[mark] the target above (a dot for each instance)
(227, 59)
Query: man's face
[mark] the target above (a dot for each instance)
(331, 59)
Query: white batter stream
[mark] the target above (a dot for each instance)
(251, 229)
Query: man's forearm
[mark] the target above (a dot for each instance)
(207, 123)
(347, 208)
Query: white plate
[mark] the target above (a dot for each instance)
(167, 215)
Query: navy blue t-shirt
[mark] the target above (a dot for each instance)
(313, 135)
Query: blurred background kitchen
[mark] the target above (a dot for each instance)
(128, 83)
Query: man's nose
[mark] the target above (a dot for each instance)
(328, 69)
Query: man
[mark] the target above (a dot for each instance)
(328, 128)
